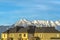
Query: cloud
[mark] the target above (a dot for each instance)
(6, 24)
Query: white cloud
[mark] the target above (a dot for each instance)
(5, 24)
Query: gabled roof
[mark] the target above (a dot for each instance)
(34, 30)
(46, 30)
(23, 30)
(13, 30)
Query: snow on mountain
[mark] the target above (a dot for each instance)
(57, 23)
(23, 22)
(38, 23)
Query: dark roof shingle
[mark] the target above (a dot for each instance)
(36, 30)
(22, 30)
(13, 30)
(46, 30)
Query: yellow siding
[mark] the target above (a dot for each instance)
(11, 35)
(47, 36)
(15, 36)
(23, 35)
(4, 35)
(42, 36)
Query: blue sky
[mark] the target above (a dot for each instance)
(13, 10)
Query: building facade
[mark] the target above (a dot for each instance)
(31, 33)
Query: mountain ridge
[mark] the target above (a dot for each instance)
(38, 23)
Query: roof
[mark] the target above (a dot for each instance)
(35, 30)
(46, 30)
(22, 30)
(13, 30)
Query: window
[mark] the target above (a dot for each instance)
(4, 35)
(11, 34)
(11, 39)
(19, 39)
(2, 39)
(24, 35)
(37, 38)
(19, 35)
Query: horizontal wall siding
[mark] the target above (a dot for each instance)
(4, 35)
(47, 36)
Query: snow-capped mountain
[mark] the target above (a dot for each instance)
(57, 23)
(23, 22)
(37, 23)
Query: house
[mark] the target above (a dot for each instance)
(31, 33)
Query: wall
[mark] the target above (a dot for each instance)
(47, 36)
(15, 36)
(4, 36)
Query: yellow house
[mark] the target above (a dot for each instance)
(15, 34)
(47, 33)
(31, 33)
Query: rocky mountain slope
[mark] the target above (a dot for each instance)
(38, 23)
